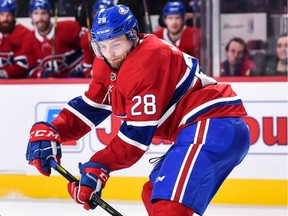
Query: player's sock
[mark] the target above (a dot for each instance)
(170, 208)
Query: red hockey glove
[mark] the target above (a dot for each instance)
(44, 142)
(92, 180)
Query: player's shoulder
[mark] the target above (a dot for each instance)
(19, 28)
(151, 49)
(148, 50)
(156, 47)
(19, 33)
(151, 40)
(146, 58)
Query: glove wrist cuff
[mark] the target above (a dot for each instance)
(102, 175)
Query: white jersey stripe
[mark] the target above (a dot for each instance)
(172, 108)
(97, 105)
(142, 123)
(132, 142)
(186, 74)
(79, 115)
(166, 115)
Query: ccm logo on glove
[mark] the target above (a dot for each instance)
(44, 133)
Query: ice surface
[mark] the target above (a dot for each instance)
(49, 207)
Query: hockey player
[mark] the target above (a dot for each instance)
(158, 91)
(176, 32)
(13, 61)
(59, 49)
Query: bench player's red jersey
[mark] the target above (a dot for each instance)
(190, 41)
(12, 56)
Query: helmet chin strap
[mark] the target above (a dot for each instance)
(133, 36)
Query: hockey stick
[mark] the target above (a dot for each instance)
(147, 18)
(96, 200)
(88, 22)
(54, 36)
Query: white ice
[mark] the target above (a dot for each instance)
(55, 207)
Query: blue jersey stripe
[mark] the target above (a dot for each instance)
(94, 114)
(184, 87)
(140, 134)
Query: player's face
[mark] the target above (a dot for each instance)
(235, 53)
(282, 48)
(116, 50)
(7, 22)
(41, 19)
(174, 23)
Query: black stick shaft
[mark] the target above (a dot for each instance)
(147, 17)
(95, 199)
(53, 50)
(88, 22)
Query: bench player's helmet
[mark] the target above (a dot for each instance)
(111, 23)
(102, 4)
(8, 6)
(174, 7)
(40, 4)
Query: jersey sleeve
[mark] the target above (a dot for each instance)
(83, 113)
(79, 116)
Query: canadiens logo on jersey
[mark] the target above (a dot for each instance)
(62, 62)
(6, 58)
(57, 62)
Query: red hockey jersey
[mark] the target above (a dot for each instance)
(69, 48)
(13, 60)
(189, 42)
(157, 91)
